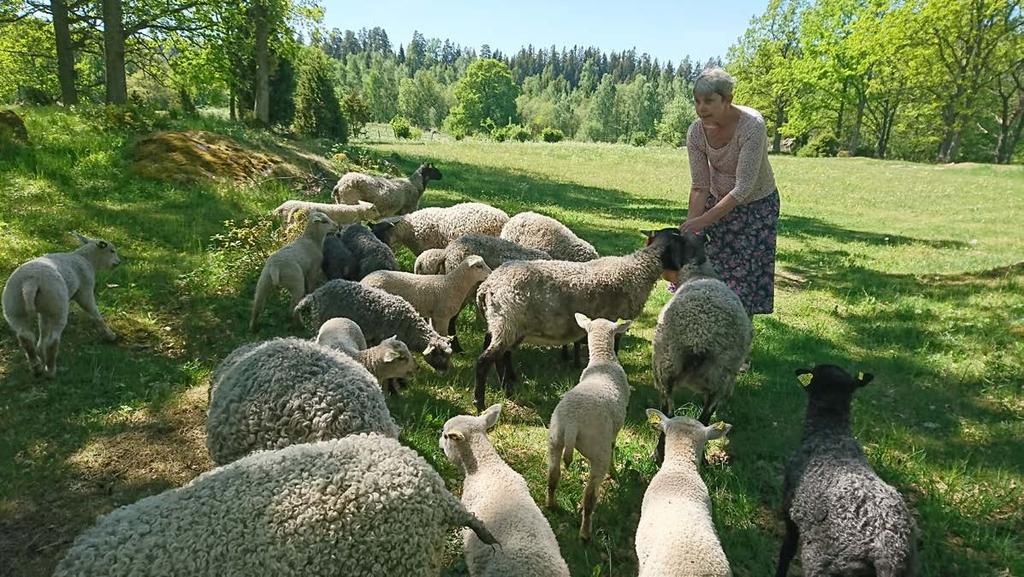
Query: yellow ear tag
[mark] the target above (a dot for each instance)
(860, 376)
(654, 419)
(720, 425)
(805, 379)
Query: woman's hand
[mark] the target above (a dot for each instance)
(695, 225)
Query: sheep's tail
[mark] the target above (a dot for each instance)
(268, 280)
(568, 442)
(29, 290)
(465, 518)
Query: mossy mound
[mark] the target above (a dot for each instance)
(196, 155)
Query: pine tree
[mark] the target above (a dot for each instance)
(317, 110)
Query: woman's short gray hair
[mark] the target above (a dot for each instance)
(714, 80)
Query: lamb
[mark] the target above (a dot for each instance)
(495, 251)
(702, 337)
(40, 291)
(361, 505)
(847, 520)
(534, 301)
(430, 261)
(391, 196)
(436, 227)
(287, 391)
(390, 359)
(544, 233)
(354, 252)
(437, 297)
(664, 545)
(296, 265)
(500, 498)
(589, 416)
(339, 213)
(379, 315)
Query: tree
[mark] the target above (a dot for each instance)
(317, 110)
(601, 124)
(380, 89)
(485, 94)
(114, 51)
(676, 120)
(421, 100)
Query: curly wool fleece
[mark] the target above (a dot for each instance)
(363, 505)
(286, 391)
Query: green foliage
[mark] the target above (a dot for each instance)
(551, 135)
(639, 139)
(511, 132)
(356, 112)
(422, 99)
(676, 120)
(401, 127)
(27, 66)
(485, 93)
(821, 144)
(380, 89)
(601, 124)
(317, 110)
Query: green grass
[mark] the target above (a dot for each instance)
(911, 272)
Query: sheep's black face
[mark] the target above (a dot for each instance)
(430, 173)
(831, 380)
(383, 230)
(438, 357)
(676, 249)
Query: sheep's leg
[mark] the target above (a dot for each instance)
(611, 462)
(668, 410)
(87, 300)
(49, 343)
(509, 371)
(484, 362)
(618, 339)
(576, 362)
(295, 285)
(710, 403)
(28, 344)
(263, 288)
(554, 471)
(788, 550)
(453, 331)
(565, 352)
(597, 472)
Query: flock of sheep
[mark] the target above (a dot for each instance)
(311, 479)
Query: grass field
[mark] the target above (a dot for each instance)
(912, 272)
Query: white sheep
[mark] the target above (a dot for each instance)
(40, 291)
(430, 261)
(391, 196)
(362, 506)
(437, 297)
(676, 534)
(296, 265)
(500, 498)
(436, 227)
(339, 213)
(391, 359)
(590, 415)
(540, 232)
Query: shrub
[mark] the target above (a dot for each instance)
(356, 111)
(821, 144)
(317, 110)
(401, 127)
(639, 139)
(511, 132)
(551, 135)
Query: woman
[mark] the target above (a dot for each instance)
(733, 197)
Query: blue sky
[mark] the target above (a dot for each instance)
(665, 29)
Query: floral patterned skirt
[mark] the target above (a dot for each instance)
(741, 246)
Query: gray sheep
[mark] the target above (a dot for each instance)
(287, 391)
(354, 252)
(534, 301)
(437, 227)
(847, 520)
(390, 195)
(363, 505)
(379, 315)
(390, 359)
(41, 290)
(540, 232)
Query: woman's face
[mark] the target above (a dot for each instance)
(711, 106)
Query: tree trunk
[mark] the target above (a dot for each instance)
(780, 117)
(113, 52)
(854, 142)
(1010, 144)
(65, 53)
(188, 106)
(842, 109)
(261, 106)
(231, 103)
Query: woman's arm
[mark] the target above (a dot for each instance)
(700, 172)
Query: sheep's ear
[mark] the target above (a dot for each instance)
(391, 355)
(804, 376)
(454, 436)
(491, 414)
(656, 418)
(79, 238)
(102, 244)
(583, 321)
(864, 378)
(717, 430)
(622, 325)
(650, 236)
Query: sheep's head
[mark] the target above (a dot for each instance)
(385, 229)
(100, 253)
(684, 431)
(458, 431)
(335, 333)
(398, 361)
(676, 250)
(438, 353)
(430, 261)
(602, 330)
(370, 212)
(429, 172)
(320, 224)
(478, 269)
(830, 383)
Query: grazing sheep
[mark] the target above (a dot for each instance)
(436, 227)
(495, 251)
(589, 416)
(363, 505)
(354, 252)
(430, 261)
(534, 301)
(379, 315)
(390, 195)
(676, 535)
(390, 359)
(40, 291)
(339, 213)
(438, 297)
(500, 498)
(287, 391)
(544, 233)
(296, 265)
(702, 337)
(847, 520)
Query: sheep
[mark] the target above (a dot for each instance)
(676, 535)
(362, 505)
(378, 314)
(436, 227)
(848, 521)
(544, 233)
(354, 252)
(339, 213)
(500, 498)
(534, 301)
(391, 196)
(702, 337)
(296, 265)
(40, 291)
(430, 261)
(495, 251)
(287, 391)
(589, 416)
(437, 297)
(390, 359)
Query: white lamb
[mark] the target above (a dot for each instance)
(391, 359)
(296, 265)
(544, 233)
(390, 195)
(589, 416)
(437, 227)
(500, 498)
(41, 289)
(676, 535)
(339, 213)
